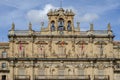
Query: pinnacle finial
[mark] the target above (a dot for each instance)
(42, 24)
(13, 26)
(109, 27)
(30, 26)
(78, 25)
(91, 27)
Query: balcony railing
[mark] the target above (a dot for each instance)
(101, 77)
(80, 77)
(21, 32)
(4, 69)
(83, 33)
(21, 77)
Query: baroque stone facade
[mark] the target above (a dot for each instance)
(60, 51)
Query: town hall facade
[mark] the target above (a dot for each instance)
(60, 51)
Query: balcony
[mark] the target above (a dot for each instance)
(101, 77)
(72, 77)
(21, 77)
(5, 70)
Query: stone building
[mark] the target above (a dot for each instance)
(60, 51)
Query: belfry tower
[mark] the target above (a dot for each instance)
(61, 20)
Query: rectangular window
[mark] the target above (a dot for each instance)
(61, 72)
(118, 65)
(100, 72)
(42, 72)
(3, 77)
(21, 71)
(3, 65)
(4, 55)
(80, 72)
(61, 50)
(117, 77)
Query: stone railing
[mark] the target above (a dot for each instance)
(80, 77)
(65, 33)
(100, 32)
(83, 33)
(19, 32)
(21, 77)
(101, 77)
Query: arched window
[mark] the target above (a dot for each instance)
(69, 26)
(52, 26)
(69, 71)
(61, 24)
(4, 54)
(53, 72)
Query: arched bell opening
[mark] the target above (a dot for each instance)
(52, 25)
(61, 24)
(69, 28)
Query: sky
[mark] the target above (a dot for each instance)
(21, 12)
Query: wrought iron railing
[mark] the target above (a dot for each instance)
(6, 69)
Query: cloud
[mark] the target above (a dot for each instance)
(36, 16)
(101, 7)
(89, 17)
(21, 5)
(92, 12)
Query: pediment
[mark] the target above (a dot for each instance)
(41, 42)
(81, 43)
(100, 42)
(61, 43)
(21, 42)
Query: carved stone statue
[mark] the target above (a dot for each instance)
(109, 27)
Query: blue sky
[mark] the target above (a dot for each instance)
(21, 12)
